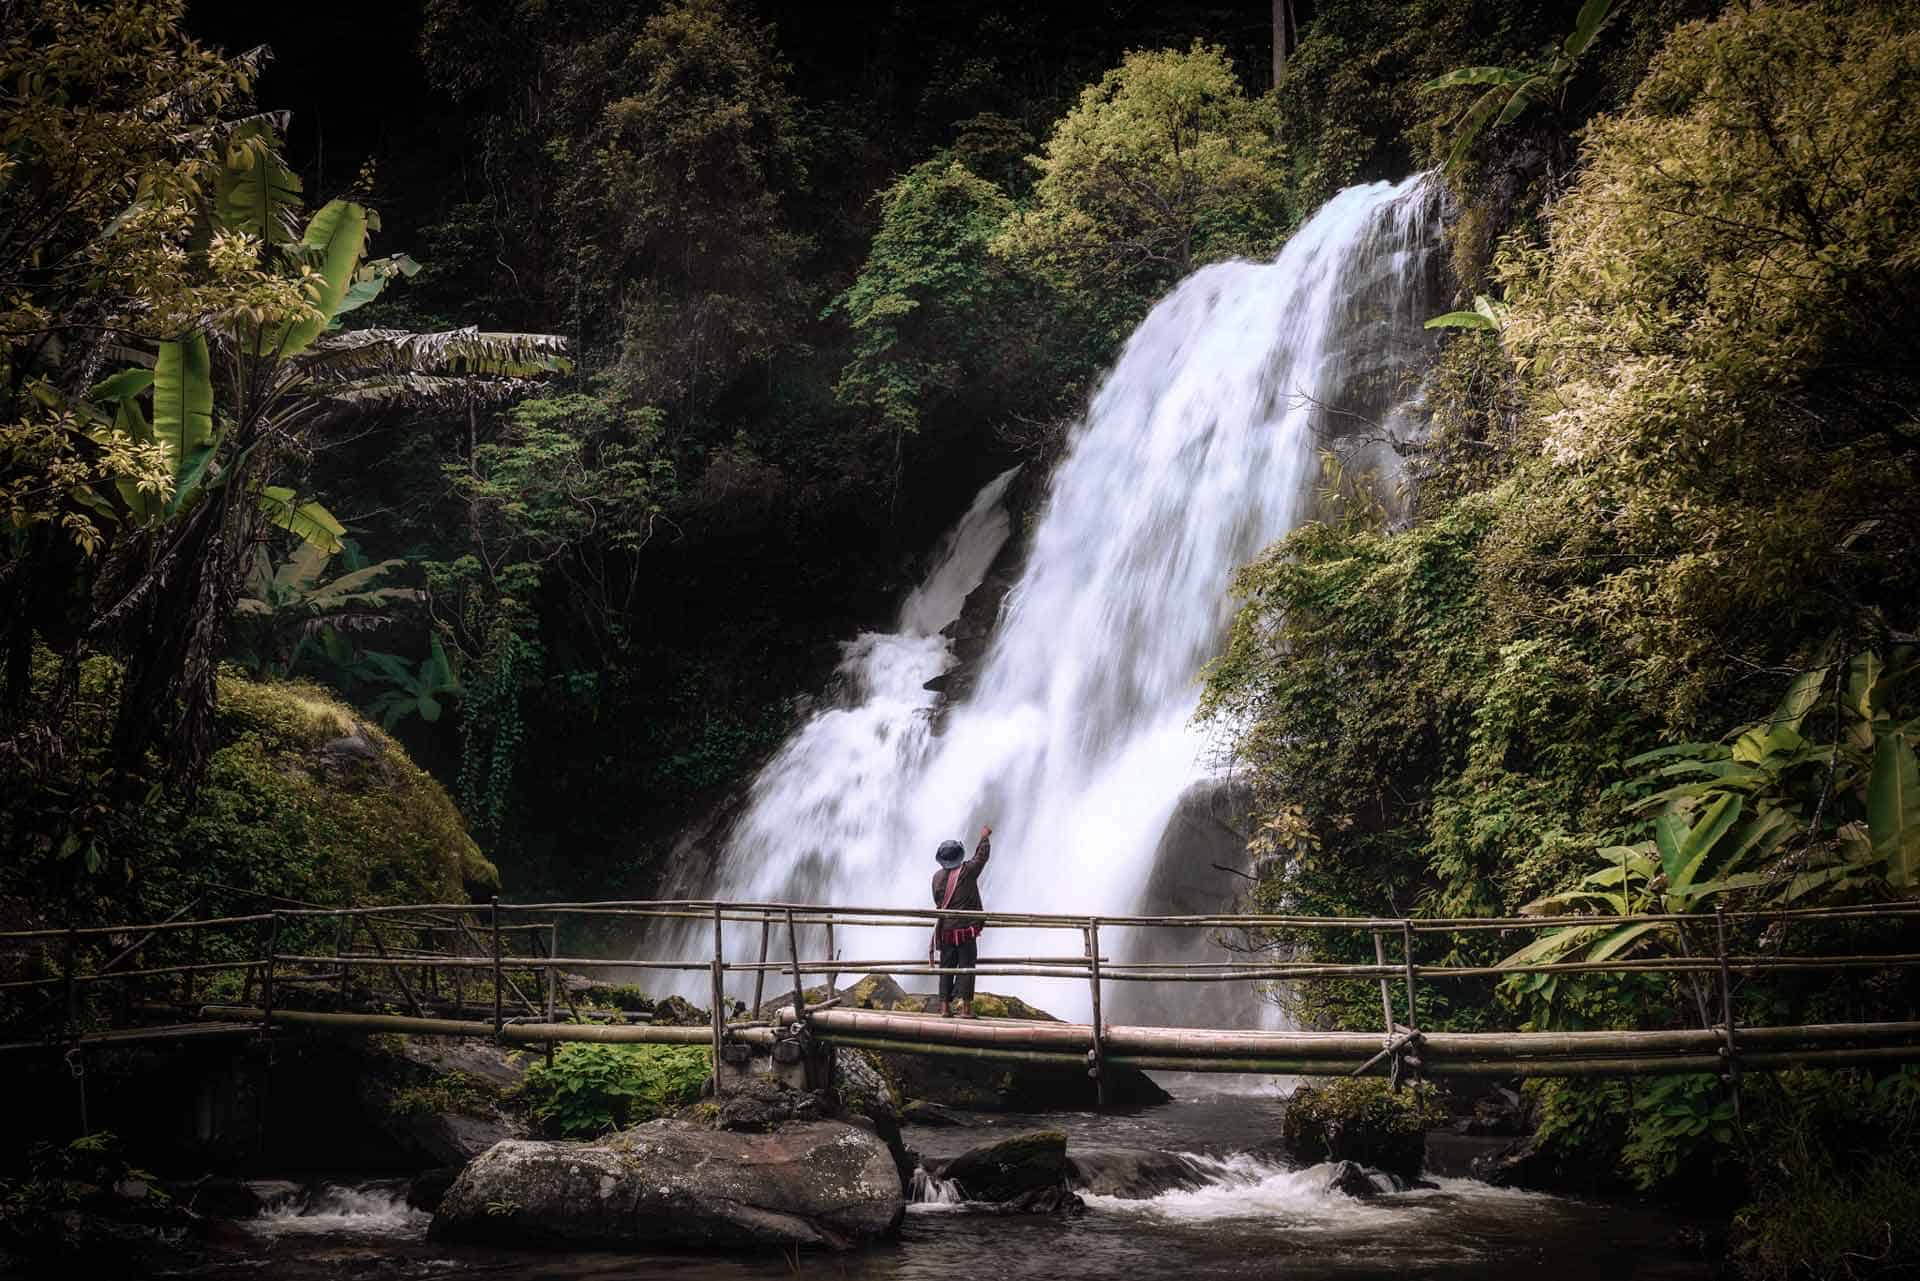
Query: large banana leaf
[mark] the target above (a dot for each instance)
(1690, 858)
(124, 385)
(1590, 22)
(371, 278)
(183, 413)
(1799, 700)
(1893, 810)
(1479, 76)
(308, 521)
(1483, 110)
(333, 243)
(363, 352)
(255, 192)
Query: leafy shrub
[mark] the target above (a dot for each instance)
(590, 1089)
(1363, 1119)
(1839, 1153)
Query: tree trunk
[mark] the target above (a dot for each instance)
(1286, 36)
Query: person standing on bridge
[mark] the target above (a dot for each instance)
(956, 887)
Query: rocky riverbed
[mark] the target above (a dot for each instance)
(1198, 1185)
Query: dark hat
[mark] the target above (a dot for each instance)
(950, 854)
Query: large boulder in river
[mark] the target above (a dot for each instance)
(985, 1085)
(1365, 1121)
(1026, 1174)
(812, 1183)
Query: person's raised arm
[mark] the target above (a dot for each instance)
(983, 851)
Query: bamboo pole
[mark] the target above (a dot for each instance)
(342, 943)
(397, 965)
(760, 970)
(719, 1000)
(896, 915)
(69, 963)
(1413, 1019)
(831, 974)
(1386, 996)
(498, 1022)
(1731, 1077)
(552, 946)
(1098, 1053)
(266, 975)
(799, 992)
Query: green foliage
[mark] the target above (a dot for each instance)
(1363, 1119)
(1163, 165)
(45, 1181)
(279, 814)
(591, 1088)
(681, 252)
(1511, 90)
(1708, 341)
(925, 306)
(289, 607)
(1838, 1154)
(411, 690)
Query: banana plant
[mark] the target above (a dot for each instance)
(1725, 814)
(1487, 313)
(236, 398)
(1509, 91)
(289, 605)
(414, 689)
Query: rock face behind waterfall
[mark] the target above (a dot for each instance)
(814, 1183)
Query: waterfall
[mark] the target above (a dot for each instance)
(1076, 741)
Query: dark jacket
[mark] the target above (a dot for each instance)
(966, 896)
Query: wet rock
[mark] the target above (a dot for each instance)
(924, 1112)
(220, 1198)
(429, 1188)
(1059, 1199)
(877, 1114)
(1349, 1178)
(819, 1183)
(1002, 1170)
(1526, 1164)
(981, 1085)
(1501, 1113)
(1364, 1121)
(1134, 1173)
(761, 1103)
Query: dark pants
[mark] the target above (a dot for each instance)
(958, 956)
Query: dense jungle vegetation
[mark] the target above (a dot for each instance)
(539, 390)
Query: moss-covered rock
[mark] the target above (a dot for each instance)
(1363, 1120)
(302, 799)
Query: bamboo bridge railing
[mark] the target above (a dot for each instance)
(494, 970)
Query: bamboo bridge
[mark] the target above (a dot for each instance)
(494, 970)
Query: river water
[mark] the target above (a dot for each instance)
(1256, 1219)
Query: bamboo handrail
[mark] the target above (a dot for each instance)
(811, 914)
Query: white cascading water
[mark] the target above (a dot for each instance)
(1077, 741)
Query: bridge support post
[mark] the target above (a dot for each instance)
(1386, 995)
(760, 975)
(832, 977)
(799, 991)
(1097, 1056)
(498, 1021)
(1730, 1051)
(1413, 1024)
(553, 978)
(719, 999)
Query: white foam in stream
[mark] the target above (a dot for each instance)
(334, 1211)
